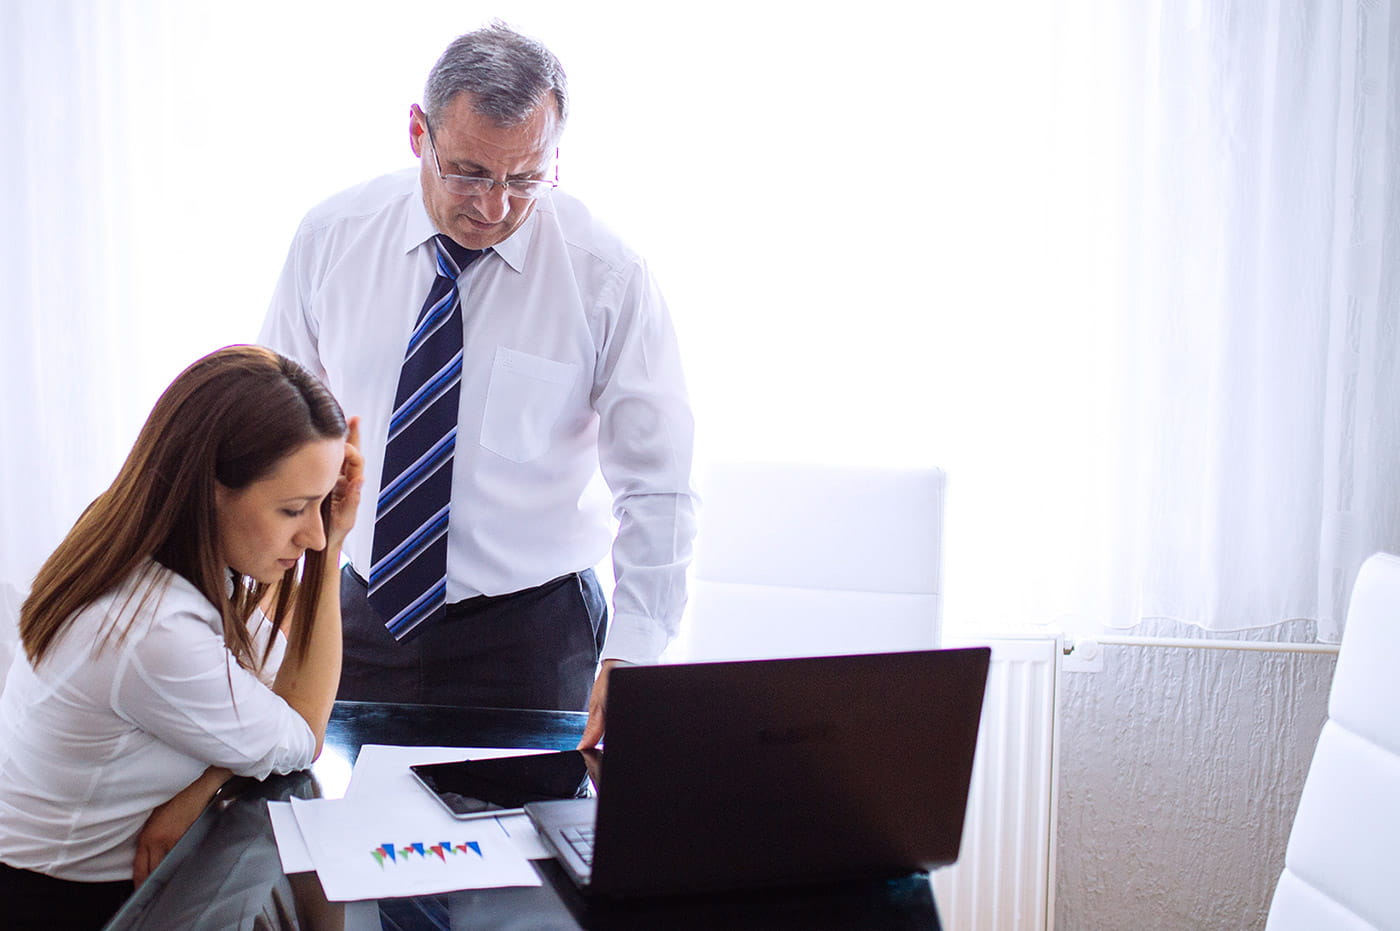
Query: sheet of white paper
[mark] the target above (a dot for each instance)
(290, 845)
(380, 768)
(521, 831)
(382, 772)
(374, 848)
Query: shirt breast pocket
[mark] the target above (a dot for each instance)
(523, 402)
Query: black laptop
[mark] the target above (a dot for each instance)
(720, 776)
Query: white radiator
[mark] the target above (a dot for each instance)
(1004, 877)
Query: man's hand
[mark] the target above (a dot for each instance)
(169, 822)
(597, 706)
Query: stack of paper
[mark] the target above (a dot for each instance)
(388, 837)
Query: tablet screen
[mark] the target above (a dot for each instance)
(474, 787)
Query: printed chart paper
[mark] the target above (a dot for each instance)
(367, 849)
(291, 849)
(381, 772)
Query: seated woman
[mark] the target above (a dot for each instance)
(147, 671)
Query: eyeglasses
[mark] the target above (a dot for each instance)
(476, 185)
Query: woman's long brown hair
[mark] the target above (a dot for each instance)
(230, 417)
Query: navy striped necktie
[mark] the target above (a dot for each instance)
(408, 560)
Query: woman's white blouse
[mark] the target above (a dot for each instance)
(101, 733)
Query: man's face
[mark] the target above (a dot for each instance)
(471, 144)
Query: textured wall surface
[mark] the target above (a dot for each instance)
(1180, 770)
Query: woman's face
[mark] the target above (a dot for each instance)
(265, 527)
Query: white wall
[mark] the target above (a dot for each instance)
(1180, 771)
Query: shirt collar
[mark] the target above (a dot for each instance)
(417, 225)
(517, 244)
(419, 228)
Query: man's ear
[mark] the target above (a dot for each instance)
(417, 129)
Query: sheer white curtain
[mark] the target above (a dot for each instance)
(1126, 271)
(70, 362)
(157, 157)
(1256, 452)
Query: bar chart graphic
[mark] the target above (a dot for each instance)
(392, 845)
(391, 855)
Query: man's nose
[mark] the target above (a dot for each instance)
(494, 204)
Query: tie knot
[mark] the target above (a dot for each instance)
(453, 256)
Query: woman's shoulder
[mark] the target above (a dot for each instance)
(150, 596)
(150, 599)
(176, 600)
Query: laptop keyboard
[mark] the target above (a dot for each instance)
(580, 837)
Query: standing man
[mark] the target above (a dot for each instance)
(502, 348)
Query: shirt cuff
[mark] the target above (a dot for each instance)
(634, 639)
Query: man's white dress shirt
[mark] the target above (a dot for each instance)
(570, 364)
(94, 738)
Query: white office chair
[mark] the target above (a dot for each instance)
(1342, 868)
(811, 560)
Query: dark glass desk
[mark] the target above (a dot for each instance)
(225, 874)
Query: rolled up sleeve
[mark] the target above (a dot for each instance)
(182, 685)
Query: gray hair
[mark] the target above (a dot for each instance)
(508, 75)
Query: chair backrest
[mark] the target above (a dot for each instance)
(1342, 868)
(800, 560)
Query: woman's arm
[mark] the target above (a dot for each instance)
(169, 822)
(308, 678)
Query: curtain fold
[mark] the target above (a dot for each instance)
(1360, 457)
(1256, 462)
(64, 261)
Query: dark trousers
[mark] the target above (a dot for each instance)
(536, 648)
(32, 901)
